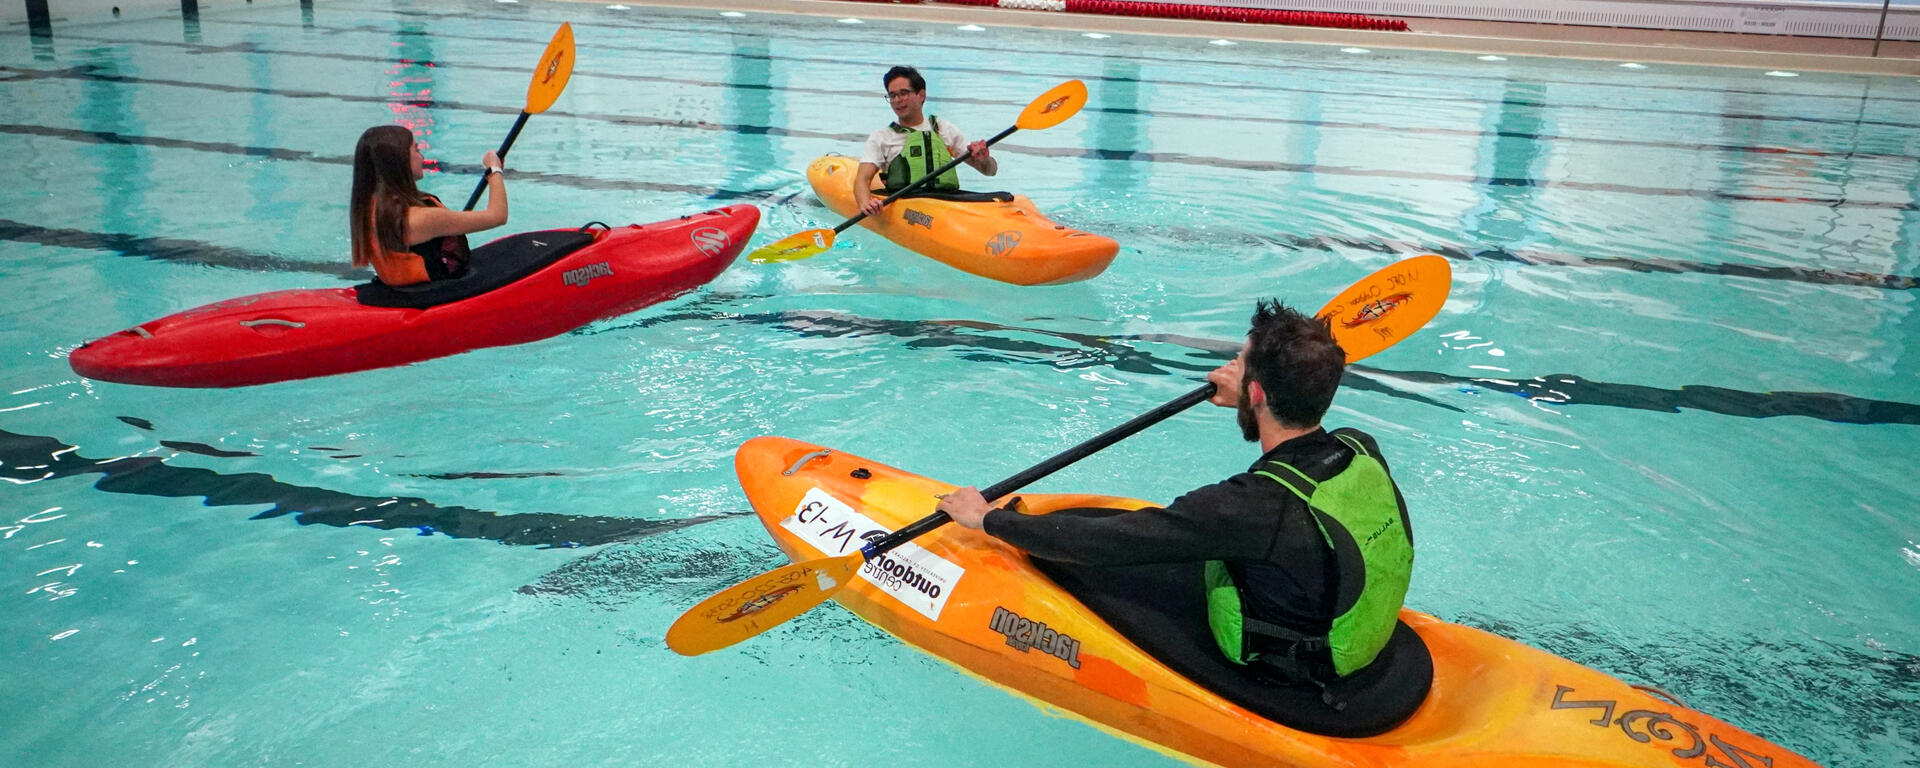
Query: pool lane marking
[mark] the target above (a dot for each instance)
(1471, 100)
(248, 47)
(1257, 119)
(295, 155)
(1263, 67)
(1177, 158)
(1564, 389)
(153, 476)
(163, 248)
(1114, 352)
(174, 250)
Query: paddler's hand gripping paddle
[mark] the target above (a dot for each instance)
(1051, 109)
(1369, 316)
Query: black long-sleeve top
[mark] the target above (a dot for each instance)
(1286, 569)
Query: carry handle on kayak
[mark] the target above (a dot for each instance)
(1367, 317)
(1051, 109)
(556, 67)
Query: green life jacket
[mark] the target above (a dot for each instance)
(922, 152)
(1361, 519)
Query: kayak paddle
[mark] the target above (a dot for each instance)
(1051, 109)
(1367, 317)
(556, 66)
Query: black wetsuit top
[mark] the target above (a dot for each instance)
(1284, 567)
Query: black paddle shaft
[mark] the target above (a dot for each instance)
(1056, 463)
(504, 146)
(919, 182)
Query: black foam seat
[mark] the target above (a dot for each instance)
(1163, 610)
(493, 265)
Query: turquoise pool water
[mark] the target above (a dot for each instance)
(1665, 427)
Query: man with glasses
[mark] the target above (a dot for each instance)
(914, 144)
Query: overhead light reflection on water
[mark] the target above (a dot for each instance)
(1467, 336)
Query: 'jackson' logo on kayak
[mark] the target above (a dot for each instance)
(1003, 244)
(1023, 633)
(1376, 310)
(711, 241)
(1664, 727)
(586, 274)
(915, 217)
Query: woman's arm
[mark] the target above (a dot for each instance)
(428, 222)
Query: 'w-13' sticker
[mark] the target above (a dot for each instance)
(917, 578)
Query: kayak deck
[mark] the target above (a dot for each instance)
(953, 592)
(297, 334)
(1006, 240)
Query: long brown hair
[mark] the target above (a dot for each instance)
(383, 190)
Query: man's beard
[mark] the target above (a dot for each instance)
(1249, 426)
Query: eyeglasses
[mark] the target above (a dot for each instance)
(900, 94)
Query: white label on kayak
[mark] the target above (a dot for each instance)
(916, 577)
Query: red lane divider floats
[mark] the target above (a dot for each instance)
(1198, 12)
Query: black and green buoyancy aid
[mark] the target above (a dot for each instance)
(921, 154)
(1360, 517)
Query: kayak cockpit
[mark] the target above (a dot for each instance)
(496, 264)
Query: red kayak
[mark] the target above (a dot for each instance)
(519, 288)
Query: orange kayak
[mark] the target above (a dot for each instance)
(954, 593)
(1005, 240)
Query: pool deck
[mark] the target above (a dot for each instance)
(1776, 52)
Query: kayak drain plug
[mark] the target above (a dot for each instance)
(861, 474)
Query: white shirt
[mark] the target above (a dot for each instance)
(884, 145)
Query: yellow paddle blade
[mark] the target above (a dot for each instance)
(556, 65)
(1389, 305)
(759, 604)
(812, 242)
(1054, 106)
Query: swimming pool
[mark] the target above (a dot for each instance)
(1664, 427)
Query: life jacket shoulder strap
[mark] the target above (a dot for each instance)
(1293, 479)
(933, 124)
(1354, 444)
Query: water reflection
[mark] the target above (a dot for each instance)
(1506, 215)
(410, 80)
(190, 21)
(1119, 122)
(40, 30)
(749, 101)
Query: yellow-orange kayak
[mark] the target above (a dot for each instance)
(957, 595)
(1005, 240)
